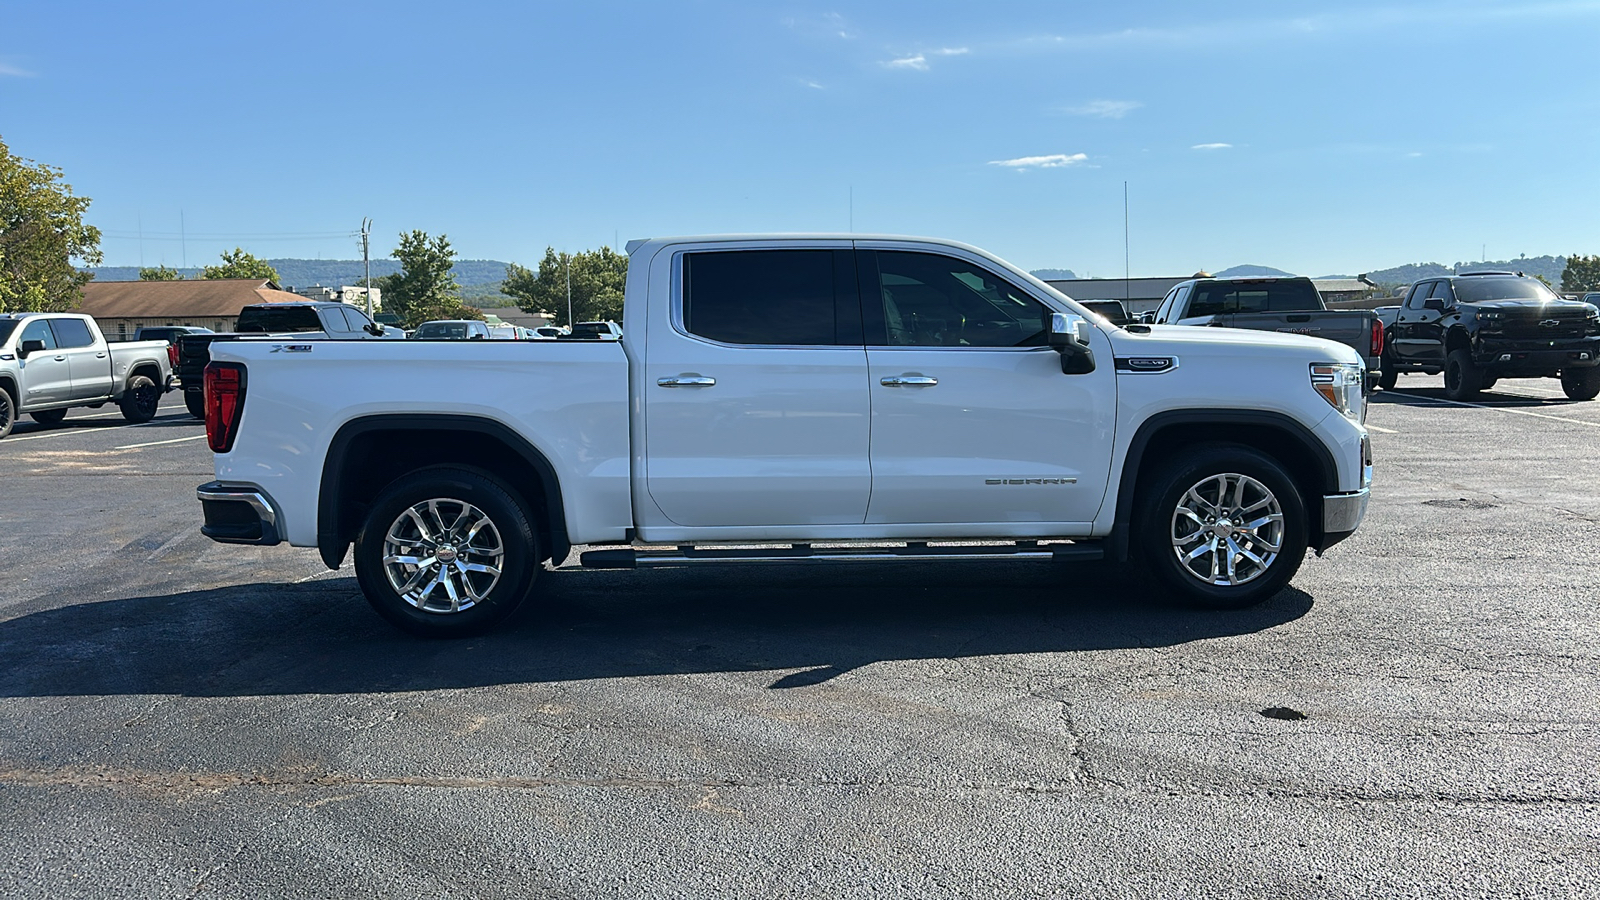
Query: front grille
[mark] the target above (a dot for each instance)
(1555, 326)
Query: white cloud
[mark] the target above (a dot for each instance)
(1104, 109)
(14, 71)
(814, 85)
(1053, 161)
(1212, 147)
(918, 62)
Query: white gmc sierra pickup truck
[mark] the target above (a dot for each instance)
(795, 399)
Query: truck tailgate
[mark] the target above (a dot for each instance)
(1351, 327)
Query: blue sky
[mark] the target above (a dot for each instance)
(1314, 137)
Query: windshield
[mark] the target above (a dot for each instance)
(6, 327)
(447, 330)
(1472, 290)
(1213, 298)
(291, 319)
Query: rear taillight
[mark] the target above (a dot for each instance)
(1377, 338)
(224, 387)
(172, 354)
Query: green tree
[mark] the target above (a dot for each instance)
(425, 287)
(160, 273)
(41, 232)
(1581, 274)
(240, 264)
(598, 278)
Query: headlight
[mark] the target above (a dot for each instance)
(1341, 385)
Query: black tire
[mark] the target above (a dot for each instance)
(1388, 377)
(462, 497)
(8, 412)
(1162, 532)
(49, 418)
(1581, 384)
(140, 399)
(1462, 377)
(196, 402)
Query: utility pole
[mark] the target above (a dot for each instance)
(568, 261)
(1127, 268)
(366, 259)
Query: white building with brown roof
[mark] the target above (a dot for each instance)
(120, 307)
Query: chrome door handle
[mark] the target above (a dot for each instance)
(908, 381)
(686, 381)
(99, 356)
(61, 359)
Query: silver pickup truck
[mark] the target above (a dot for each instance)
(1289, 305)
(52, 362)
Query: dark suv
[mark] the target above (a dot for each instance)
(1479, 327)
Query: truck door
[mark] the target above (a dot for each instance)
(755, 390)
(46, 374)
(972, 420)
(88, 362)
(1418, 334)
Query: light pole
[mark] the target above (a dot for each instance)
(568, 261)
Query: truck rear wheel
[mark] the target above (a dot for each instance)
(49, 418)
(140, 399)
(8, 412)
(1223, 526)
(196, 402)
(446, 552)
(1581, 384)
(1462, 377)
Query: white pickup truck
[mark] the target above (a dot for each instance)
(52, 362)
(794, 399)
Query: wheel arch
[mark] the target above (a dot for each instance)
(148, 369)
(1457, 339)
(369, 453)
(1292, 445)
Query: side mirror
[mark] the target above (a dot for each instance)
(1147, 318)
(30, 347)
(1069, 335)
(374, 329)
(1434, 303)
(476, 337)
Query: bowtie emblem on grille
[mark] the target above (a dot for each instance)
(1549, 323)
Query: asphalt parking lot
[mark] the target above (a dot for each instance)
(179, 718)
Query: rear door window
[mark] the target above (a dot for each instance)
(72, 333)
(795, 298)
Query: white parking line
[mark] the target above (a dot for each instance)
(1504, 409)
(1380, 429)
(192, 437)
(69, 432)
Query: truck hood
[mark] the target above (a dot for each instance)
(1177, 340)
(1531, 307)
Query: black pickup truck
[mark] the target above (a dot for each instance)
(1479, 327)
(314, 320)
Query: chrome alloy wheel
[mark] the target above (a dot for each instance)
(443, 555)
(1227, 529)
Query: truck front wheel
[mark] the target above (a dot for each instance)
(1581, 384)
(8, 412)
(1223, 526)
(446, 552)
(140, 400)
(1462, 377)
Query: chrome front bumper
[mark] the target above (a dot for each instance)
(1341, 515)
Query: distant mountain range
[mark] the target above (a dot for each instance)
(480, 278)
